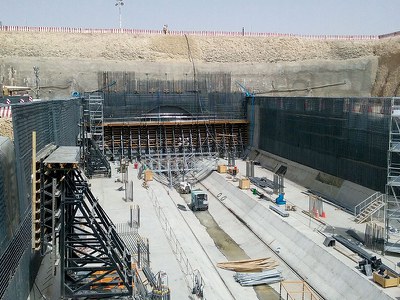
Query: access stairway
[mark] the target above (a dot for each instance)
(368, 207)
(96, 162)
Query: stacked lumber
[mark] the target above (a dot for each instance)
(249, 265)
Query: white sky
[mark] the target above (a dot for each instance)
(347, 17)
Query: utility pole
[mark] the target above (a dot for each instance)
(37, 79)
(119, 4)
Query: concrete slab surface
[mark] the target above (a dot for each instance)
(180, 243)
(64, 154)
(336, 221)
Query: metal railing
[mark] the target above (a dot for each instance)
(295, 290)
(192, 276)
(137, 245)
(364, 204)
(184, 32)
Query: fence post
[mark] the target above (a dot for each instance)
(148, 252)
(131, 216)
(138, 251)
(138, 216)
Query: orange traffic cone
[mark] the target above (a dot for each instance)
(323, 215)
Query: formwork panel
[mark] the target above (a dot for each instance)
(138, 139)
(344, 137)
(54, 122)
(9, 206)
(174, 107)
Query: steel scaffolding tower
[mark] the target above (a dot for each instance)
(93, 136)
(94, 260)
(174, 168)
(392, 207)
(95, 111)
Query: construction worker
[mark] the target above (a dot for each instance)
(165, 29)
(235, 171)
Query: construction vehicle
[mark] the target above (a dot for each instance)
(184, 187)
(10, 90)
(199, 200)
(14, 94)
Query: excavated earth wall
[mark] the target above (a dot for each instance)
(289, 66)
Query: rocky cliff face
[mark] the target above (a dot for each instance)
(271, 65)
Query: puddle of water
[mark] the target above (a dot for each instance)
(230, 249)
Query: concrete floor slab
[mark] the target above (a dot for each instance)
(158, 205)
(336, 218)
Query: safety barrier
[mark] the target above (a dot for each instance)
(180, 33)
(5, 111)
(5, 108)
(389, 35)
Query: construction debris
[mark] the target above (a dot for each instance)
(249, 265)
(265, 277)
(279, 211)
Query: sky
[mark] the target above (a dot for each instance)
(330, 17)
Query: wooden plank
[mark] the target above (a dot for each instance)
(184, 122)
(247, 260)
(249, 265)
(348, 255)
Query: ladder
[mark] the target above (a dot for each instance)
(95, 110)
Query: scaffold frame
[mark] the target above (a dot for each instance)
(392, 205)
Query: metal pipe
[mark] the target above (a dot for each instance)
(131, 215)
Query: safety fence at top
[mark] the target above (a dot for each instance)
(5, 108)
(197, 33)
(5, 111)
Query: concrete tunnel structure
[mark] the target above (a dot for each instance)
(335, 145)
(344, 192)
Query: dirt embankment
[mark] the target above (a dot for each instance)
(165, 48)
(171, 47)
(6, 128)
(387, 81)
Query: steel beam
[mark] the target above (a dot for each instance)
(95, 261)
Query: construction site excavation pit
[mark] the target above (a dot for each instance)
(229, 248)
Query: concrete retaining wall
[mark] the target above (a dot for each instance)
(323, 271)
(347, 194)
(61, 76)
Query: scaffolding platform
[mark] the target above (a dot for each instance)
(64, 155)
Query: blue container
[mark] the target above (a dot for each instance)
(280, 200)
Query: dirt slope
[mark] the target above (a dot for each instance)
(164, 48)
(6, 128)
